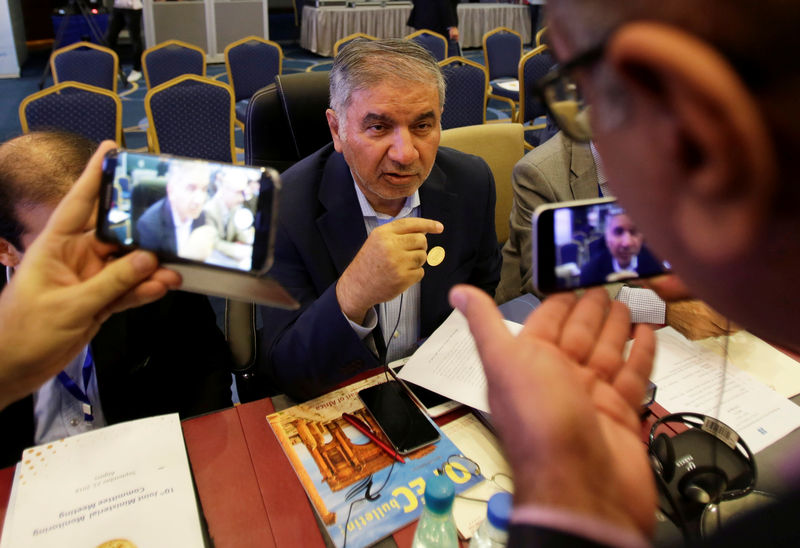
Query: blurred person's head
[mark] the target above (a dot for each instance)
(386, 101)
(698, 126)
(233, 188)
(36, 170)
(623, 239)
(187, 188)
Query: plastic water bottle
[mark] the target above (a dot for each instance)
(493, 532)
(436, 527)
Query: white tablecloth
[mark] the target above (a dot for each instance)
(475, 20)
(322, 27)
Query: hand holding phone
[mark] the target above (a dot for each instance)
(213, 223)
(586, 243)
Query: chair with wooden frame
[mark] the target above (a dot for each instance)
(435, 43)
(501, 146)
(342, 42)
(192, 116)
(541, 36)
(252, 63)
(465, 100)
(86, 63)
(93, 112)
(502, 50)
(533, 66)
(170, 59)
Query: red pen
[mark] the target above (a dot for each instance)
(364, 429)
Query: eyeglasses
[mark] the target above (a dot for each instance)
(460, 465)
(562, 97)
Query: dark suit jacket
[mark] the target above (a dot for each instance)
(771, 525)
(165, 357)
(435, 15)
(595, 271)
(321, 228)
(155, 229)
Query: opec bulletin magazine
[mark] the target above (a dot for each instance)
(338, 465)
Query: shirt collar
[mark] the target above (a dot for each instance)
(412, 202)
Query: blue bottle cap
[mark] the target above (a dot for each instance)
(499, 511)
(439, 494)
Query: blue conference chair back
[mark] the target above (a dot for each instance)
(253, 65)
(465, 97)
(502, 53)
(170, 60)
(435, 43)
(192, 116)
(91, 65)
(533, 68)
(92, 112)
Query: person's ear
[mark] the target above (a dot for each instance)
(9, 255)
(333, 124)
(716, 135)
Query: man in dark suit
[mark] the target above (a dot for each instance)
(699, 132)
(623, 256)
(359, 216)
(173, 224)
(167, 356)
(437, 15)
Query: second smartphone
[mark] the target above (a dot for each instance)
(586, 243)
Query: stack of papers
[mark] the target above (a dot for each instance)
(123, 485)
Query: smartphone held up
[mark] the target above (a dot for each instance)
(587, 243)
(212, 222)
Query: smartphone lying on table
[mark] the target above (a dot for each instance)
(404, 423)
(586, 243)
(214, 223)
(435, 405)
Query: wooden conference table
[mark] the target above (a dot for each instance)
(249, 492)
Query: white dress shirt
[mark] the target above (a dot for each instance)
(402, 341)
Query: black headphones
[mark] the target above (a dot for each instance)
(707, 463)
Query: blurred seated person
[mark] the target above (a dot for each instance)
(232, 221)
(561, 170)
(623, 256)
(176, 224)
(167, 356)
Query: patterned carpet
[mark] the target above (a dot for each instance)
(134, 122)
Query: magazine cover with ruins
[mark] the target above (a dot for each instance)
(338, 465)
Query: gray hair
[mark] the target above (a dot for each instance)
(362, 64)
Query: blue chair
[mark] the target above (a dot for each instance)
(86, 63)
(170, 59)
(342, 42)
(252, 63)
(434, 42)
(502, 50)
(465, 98)
(191, 116)
(533, 66)
(90, 111)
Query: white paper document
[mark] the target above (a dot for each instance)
(448, 363)
(690, 378)
(760, 359)
(477, 443)
(124, 483)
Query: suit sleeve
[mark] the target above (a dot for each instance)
(486, 273)
(543, 537)
(447, 13)
(531, 189)
(306, 352)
